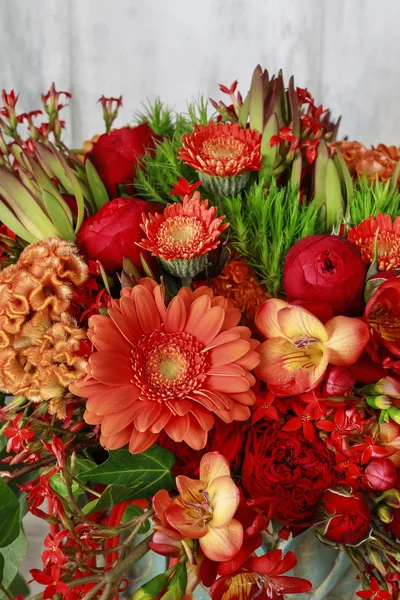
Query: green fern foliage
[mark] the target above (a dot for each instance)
(371, 199)
(265, 223)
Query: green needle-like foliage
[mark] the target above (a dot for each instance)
(265, 223)
(371, 199)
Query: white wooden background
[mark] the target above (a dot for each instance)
(346, 52)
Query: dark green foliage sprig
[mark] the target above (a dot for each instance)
(371, 199)
(264, 224)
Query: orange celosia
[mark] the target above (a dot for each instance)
(39, 342)
(299, 347)
(239, 282)
(167, 368)
(365, 236)
(204, 510)
(221, 149)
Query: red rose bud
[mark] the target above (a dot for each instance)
(381, 474)
(115, 155)
(340, 382)
(385, 513)
(392, 498)
(326, 268)
(343, 517)
(111, 234)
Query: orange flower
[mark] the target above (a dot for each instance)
(184, 232)
(204, 510)
(376, 165)
(299, 347)
(364, 236)
(239, 282)
(170, 369)
(352, 153)
(221, 149)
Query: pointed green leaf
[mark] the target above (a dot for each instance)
(256, 104)
(297, 164)
(320, 173)
(76, 189)
(25, 206)
(150, 468)
(96, 185)
(11, 221)
(9, 515)
(345, 177)
(269, 153)
(294, 107)
(12, 556)
(394, 177)
(334, 199)
(49, 159)
(244, 112)
(59, 217)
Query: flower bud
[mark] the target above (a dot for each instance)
(392, 498)
(152, 588)
(376, 560)
(381, 474)
(394, 414)
(379, 402)
(385, 513)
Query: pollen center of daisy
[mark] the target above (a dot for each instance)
(182, 233)
(224, 148)
(181, 236)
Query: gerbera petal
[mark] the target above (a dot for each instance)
(347, 339)
(149, 412)
(266, 318)
(176, 315)
(141, 441)
(222, 543)
(146, 309)
(234, 384)
(206, 326)
(177, 427)
(196, 436)
(228, 353)
(119, 440)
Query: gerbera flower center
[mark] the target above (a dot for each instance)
(182, 236)
(168, 366)
(221, 148)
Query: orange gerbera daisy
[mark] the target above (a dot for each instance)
(222, 149)
(167, 368)
(183, 235)
(388, 241)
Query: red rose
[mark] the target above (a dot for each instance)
(226, 438)
(285, 474)
(115, 155)
(382, 313)
(381, 474)
(343, 517)
(326, 268)
(111, 234)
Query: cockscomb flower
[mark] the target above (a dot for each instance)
(182, 236)
(222, 151)
(167, 368)
(204, 510)
(299, 347)
(385, 233)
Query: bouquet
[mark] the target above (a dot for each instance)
(200, 352)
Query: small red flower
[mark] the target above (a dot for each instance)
(57, 447)
(375, 593)
(54, 554)
(285, 135)
(51, 581)
(17, 435)
(268, 407)
(183, 188)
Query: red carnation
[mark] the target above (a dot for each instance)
(285, 474)
(343, 516)
(115, 155)
(326, 268)
(111, 234)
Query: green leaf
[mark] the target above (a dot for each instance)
(334, 200)
(269, 153)
(297, 164)
(150, 470)
(1, 567)
(133, 511)
(59, 486)
(320, 174)
(11, 221)
(294, 107)
(394, 178)
(59, 217)
(19, 586)
(256, 103)
(9, 515)
(244, 112)
(344, 173)
(96, 185)
(12, 556)
(113, 495)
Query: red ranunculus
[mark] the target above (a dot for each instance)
(115, 155)
(285, 474)
(343, 516)
(111, 234)
(326, 268)
(382, 314)
(381, 474)
(226, 438)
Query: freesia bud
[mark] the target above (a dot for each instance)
(385, 513)
(392, 498)
(394, 414)
(379, 402)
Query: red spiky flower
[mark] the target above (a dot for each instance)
(182, 234)
(222, 149)
(387, 239)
